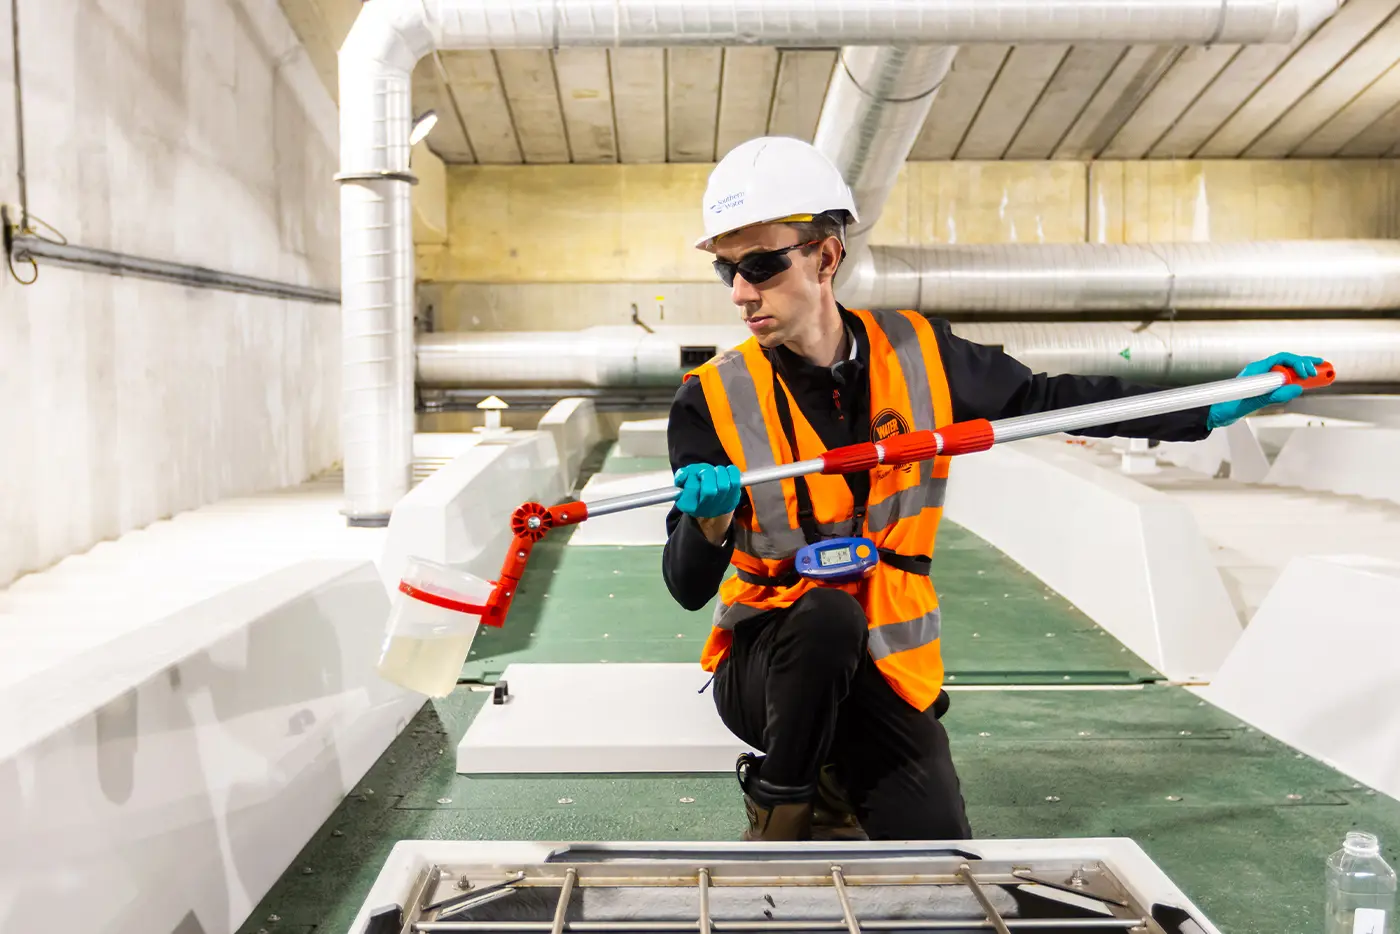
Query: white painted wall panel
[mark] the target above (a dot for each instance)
(1327, 628)
(203, 138)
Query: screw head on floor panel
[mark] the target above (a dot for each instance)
(566, 800)
(1052, 797)
(337, 833)
(984, 734)
(1295, 797)
(1084, 733)
(687, 801)
(1173, 797)
(306, 870)
(1049, 635)
(976, 635)
(444, 800)
(610, 596)
(680, 635)
(273, 919)
(1184, 733)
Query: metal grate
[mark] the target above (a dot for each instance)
(779, 895)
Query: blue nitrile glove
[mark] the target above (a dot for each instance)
(708, 491)
(1227, 413)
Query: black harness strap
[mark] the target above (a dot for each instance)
(806, 518)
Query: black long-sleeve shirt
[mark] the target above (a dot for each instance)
(983, 381)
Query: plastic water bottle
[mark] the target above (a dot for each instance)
(1360, 888)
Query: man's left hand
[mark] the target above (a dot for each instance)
(1227, 413)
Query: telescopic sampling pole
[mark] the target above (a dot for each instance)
(532, 521)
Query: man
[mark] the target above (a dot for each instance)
(840, 685)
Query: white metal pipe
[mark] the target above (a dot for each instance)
(1301, 275)
(390, 36)
(875, 107)
(1165, 353)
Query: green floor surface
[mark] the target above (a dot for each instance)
(616, 463)
(609, 603)
(1238, 820)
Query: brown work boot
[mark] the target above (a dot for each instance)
(783, 822)
(833, 816)
(778, 821)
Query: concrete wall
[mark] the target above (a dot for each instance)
(610, 224)
(189, 130)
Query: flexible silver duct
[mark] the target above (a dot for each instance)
(1166, 352)
(875, 107)
(390, 36)
(1304, 275)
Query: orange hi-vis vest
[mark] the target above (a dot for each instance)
(908, 392)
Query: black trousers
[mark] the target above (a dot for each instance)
(800, 686)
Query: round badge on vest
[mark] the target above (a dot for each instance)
(884, 426)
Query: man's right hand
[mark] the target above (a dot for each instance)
(710, 494)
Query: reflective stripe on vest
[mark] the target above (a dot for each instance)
(893, 638)
(769, 507)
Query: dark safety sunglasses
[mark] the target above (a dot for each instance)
(758, 267)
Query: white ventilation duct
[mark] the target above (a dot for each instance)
(875, 107)
(1365, 352)
(1029, 278)
(390, 36)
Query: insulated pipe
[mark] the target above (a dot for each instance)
(1299, 275)
(1165, 353)
(390, 36)
(875, 107)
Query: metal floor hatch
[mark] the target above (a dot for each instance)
(1060, 886)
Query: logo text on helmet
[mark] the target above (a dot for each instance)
(727, 202)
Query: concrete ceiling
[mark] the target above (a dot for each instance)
(1334, 94)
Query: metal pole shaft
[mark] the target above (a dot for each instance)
(669, 494)
(1012, 429)
(1131, 407)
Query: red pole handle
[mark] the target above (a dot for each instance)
(1326, 373)
(529, 523)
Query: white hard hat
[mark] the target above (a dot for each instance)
(772, 178)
